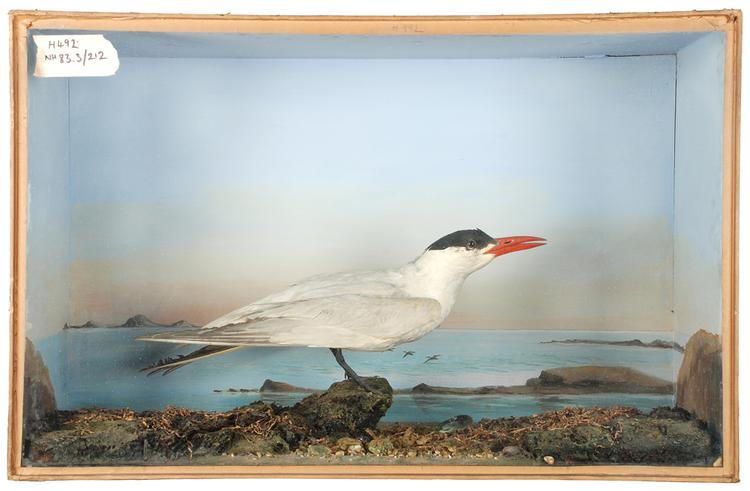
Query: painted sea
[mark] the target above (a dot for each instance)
(101, 368)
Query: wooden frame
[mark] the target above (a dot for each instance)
(728, 22)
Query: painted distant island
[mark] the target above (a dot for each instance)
(657, 343)
(138, 320)
(564, 380)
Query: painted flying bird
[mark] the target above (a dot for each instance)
(407, 353)
(361, 311)
(432, 358)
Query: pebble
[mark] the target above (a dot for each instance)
(355, 449)
(346, 442)
(511, 450)
(318, 451)
(380, 446)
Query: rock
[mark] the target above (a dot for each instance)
(601, 378)
(346, 442)
(546, 377)
(640, 439)
(140, 320)
(511, 451)
(351, 446)
(578, 444)
(456, 423)
(467, 391)
(274, 386)
(699, 380)
(422, 389)
(256, 444)
(318, 451)
(548, 459)
(87, 325)
(345, 408)
(39, 406)
(102, 443)
(665, 412)
(566, 380)
(380, 446)
(666, 441)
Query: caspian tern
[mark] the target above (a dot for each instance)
(362, 311)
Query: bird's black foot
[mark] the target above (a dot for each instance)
(348, 372)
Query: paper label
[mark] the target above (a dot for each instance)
(81, 55)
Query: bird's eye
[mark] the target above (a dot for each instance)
(471, 244)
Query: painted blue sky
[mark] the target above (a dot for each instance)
(197, 186)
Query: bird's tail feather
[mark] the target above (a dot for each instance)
(169, 365)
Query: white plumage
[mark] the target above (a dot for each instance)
(364, 310)
(368, 310)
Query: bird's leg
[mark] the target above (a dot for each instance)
(348, 372)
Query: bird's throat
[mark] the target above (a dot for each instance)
(430, 279)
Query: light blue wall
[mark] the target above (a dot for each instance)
(48, 281)
(698, 186)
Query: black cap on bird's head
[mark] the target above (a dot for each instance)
(477, 240)
(468, 239)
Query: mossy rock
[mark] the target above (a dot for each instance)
(99, 442)
(629, 440)
(579, 444)
(346, 408)
(663, 440)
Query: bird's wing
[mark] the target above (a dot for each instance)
(357, 322)
(367, 283)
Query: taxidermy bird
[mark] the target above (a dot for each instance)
(361, 310)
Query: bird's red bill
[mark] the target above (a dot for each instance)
(506, 245)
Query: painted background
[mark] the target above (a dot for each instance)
(184, 188)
